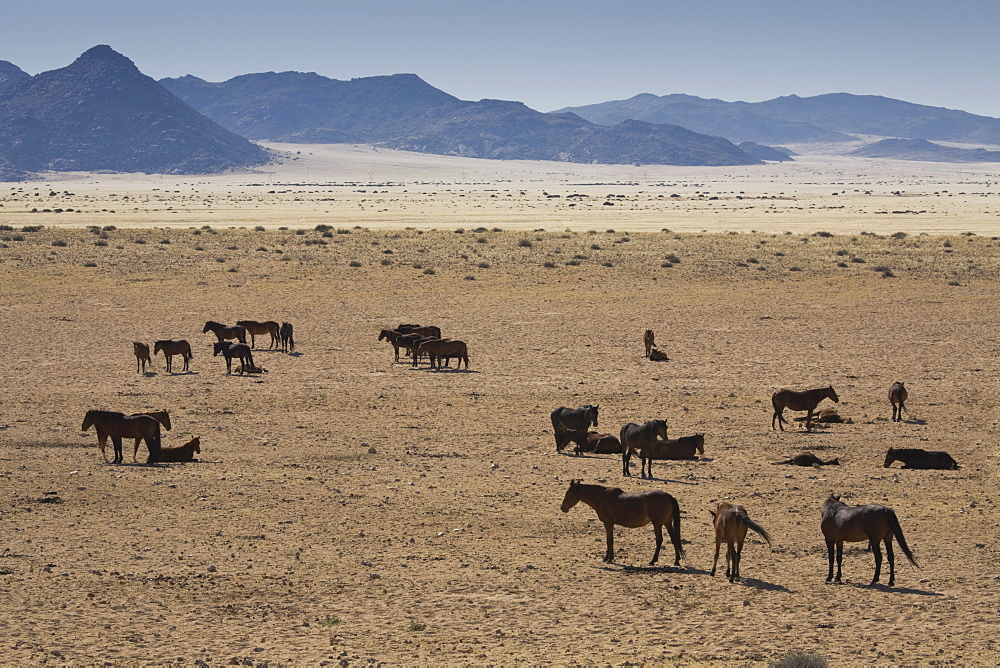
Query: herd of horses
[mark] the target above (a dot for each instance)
(419, 341)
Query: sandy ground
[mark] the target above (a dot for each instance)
(347, 510)
(346, 186)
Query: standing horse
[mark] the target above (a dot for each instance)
(731, 524)
(897, 395)
(161, 416)
(853, 524)
(255, 329)
(614, 506)
(800, 401)
(634, 437)
(171, 348)
(230, 350)
(223, 333)
(572, 419)
(438, 349)
(118, 426)
(648, 341)
(287, 342)
(141, 352)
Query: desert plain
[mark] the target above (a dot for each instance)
(349, 510)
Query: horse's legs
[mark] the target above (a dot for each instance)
(609, 554)
(840, 559)
(809, 415)
(102, 440)
(892, 559)
(873, 545)
(829, 554)
(117, 441)
(135, 453)
(730, 559)
(658, 532)
(737, 558)
(718, 544)
(626, 456)
(777, 414)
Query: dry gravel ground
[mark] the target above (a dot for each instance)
(352, 511)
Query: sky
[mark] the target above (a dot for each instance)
(547, 53)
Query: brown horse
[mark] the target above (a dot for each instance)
(827, 416)
(392, 336)
(171, 348)
(223, 333)
(255, 329)
(917, 458)
(800, 401)
(648, 341)
(287, 340)
(591, 441)
(635, 437)
(182, 453)
(809, 459)
(614, 506)
(853, 524)
(684, 447)
(897, 395)
(230, 350)
(141, 352)
(119, 426)
(436, 349)
(161, 416)
(731, 524)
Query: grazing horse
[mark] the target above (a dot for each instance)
(614, 506)
(731, 524)
(915, 458)
(161, 416)
(255, 329)
(634, 437)
(230, 350)
(141, 352)
(572, 419)
(898, 395)
(800, 401)
(591, 441)
(648, 341)
(119, 426)
(287, 342)
(223, 333)
(684, 447)
(182, 453)
(446, 348)
(808, 459)
(171, 348)
(853, 524)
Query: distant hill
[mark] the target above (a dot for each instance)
(822, 118)
(102, 113)
(402, 111)
(921, 149)
(769, 153)
(11, 75)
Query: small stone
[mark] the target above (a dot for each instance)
(212, 569)
(372, 451)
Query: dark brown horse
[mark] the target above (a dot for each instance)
(141, 352)
(591, 441)
(182, 453)
(614, 506)
(916, 458)
(684, 447)
(287, 340)
(648, 340)
(437, 349)
(898, 395)
(255, 329)
(229, 350)
(572, 419)
(161, 416)
(222, 333)
(171, 348)
(731, 524)
(853, 524)
(800, 401)
(808, 459)
(119, 426)
(635, 437)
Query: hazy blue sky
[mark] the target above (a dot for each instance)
(547, 53)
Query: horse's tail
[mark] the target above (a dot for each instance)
(675, 536)
(626, 450)
(153, 445)
(291, 341)
(897, 531)
(756, 527)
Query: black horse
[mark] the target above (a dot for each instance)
(572, 419)
(635, 437)
(915, 458)
(287, 340)
(230, 350)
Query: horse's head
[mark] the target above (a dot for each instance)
(593, 414)
(164, 418)
(208, 326)
(220, 347)
(88, 420)
(572, 496)
(830, 392)
(699, 443)
(890, 457)
(157, 347)
(661, 429)
(831, 502)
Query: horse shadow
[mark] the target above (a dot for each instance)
(892, 590)
(764, 586)
(148, 374)
(652, 570)
(670, 480)
(294, 354)
(184, 373)
(914, 421)
(445, 370)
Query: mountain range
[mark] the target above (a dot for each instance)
(921, 149)
(793, 119)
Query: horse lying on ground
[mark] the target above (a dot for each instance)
(805, 400)
(614, 506)
(648, 341)
(731, 524)
(171, 348)
(572, 419)
(240, 369)
(915, 458)
(161, 416)
(684, 447)
(898, 395)
(230, 350)
(657, 355)
(827, 415)
(223, 333)
(287, 341)
(858, 523)
(141, 352)
(182, 453)
(591, 441)
(255, 329)
(119, 426)
(634, 437)
(808, 459)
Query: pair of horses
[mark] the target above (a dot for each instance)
(169, 348)
(229, 350)
(805, 400)
(140, 426)
(566, 420)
